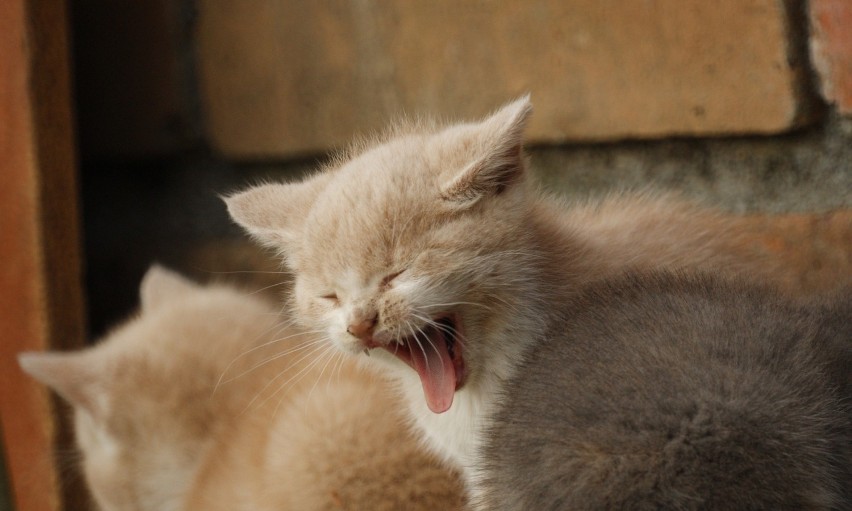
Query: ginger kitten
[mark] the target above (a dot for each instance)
(432, 252)
(207, 401)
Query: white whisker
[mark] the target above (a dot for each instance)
(277, 356)
(284, 371)
(260, 346)
(414, 336)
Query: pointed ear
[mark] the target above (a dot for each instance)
(71, 375)
(500, 163)
(160, 285)
(273, 214)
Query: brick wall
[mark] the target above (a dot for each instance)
(272, 79)
(735, 102)
(285, 77)
(831, 50)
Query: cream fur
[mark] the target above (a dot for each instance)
(185, 407)
(454, 210)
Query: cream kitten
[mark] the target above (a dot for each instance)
(205, 401)
(433, 252)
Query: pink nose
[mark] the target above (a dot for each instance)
(362, 329)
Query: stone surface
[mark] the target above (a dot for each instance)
(806, 171)
(283, 77)
(831, 49)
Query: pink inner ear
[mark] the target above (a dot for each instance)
(502, 164)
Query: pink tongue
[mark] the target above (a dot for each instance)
(437, 373)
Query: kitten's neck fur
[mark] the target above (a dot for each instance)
(555, 263)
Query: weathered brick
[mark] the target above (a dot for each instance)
(815, 249)
(283, 76)
(831, 49)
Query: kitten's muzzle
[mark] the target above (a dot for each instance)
(363, 329)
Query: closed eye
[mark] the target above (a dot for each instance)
(331, 297)
(388, 279)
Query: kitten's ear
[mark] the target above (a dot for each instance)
(160, 285)
(273, 213)
(500, 163)
(71, 375)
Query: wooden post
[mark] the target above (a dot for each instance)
(40, 270)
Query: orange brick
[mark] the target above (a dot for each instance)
(831, 49)
(280, 77)
(815, 249)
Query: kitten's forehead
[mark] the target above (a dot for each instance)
(404, 170)
(373, 207)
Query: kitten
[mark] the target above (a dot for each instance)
(206, 401)
(432, 251)
(672, 392)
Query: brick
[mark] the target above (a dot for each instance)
(831, 50)
(815, 249)
(282, 77)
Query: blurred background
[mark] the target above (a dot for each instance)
(743, 104)
(180, 101)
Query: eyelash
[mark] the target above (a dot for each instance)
(332, 297)
(387, 280)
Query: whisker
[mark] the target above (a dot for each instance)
(448, 329)
(414, 336)
(256, 291)
(278, 329)
(255, 348)
(298, 377)
(284, 371)
(277, 356)
(437, 351)
(234, 272)
(331, 357)
(451, 304)
(337, 369)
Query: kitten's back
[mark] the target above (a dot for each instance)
(673, 392)
(209, 400)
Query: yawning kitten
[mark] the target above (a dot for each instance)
(205, 402)
(432, 252)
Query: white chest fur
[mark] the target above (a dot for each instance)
(454, 435)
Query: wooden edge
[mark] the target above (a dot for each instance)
(40, 291)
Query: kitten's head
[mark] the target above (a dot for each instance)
(143, 397)
(414, 245)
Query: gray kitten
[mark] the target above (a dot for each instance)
(673, 392)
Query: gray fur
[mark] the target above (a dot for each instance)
(674, 392)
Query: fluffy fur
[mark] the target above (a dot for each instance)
(206, 401)
(437, 235)
(674, 392)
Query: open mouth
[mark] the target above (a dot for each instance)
(435, 352)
